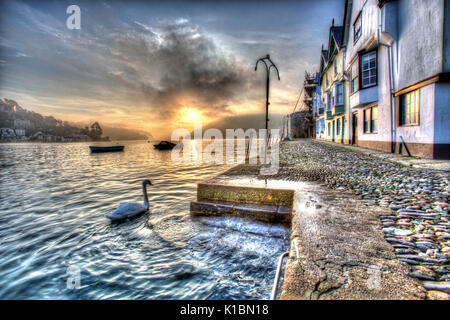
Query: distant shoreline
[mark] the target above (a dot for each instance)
(52, 142)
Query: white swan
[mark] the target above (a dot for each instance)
(131, 209)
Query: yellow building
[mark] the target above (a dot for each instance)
(333, 87)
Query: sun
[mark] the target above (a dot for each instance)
(190, 115)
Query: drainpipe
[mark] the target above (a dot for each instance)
(391, 80)
(344, 92)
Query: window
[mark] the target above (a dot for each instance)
(339, 93)
(366, 121)
(328, 101)
(374, 119)
(357, 29)
(371, 120)
(335, 67)
(338, 127)
(409, 108)
(369, 69)
(354, 78)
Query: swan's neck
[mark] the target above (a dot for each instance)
(144, 191)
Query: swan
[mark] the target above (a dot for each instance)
(131, 209)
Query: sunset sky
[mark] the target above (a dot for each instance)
(157, 66)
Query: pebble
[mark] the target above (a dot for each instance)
(404, 251)
(445, 277)
(398, 232)
(437, 295)
(421, 276)
(417, 221)
(437, 285)
(409, 261)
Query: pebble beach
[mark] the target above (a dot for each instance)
(417, 223)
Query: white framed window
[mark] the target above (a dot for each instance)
(368, 69)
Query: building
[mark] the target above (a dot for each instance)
(332, 86)
(301, 122)
(20, 132)
(394, 73)
(22, 124)
(318, 111)
(7, 134)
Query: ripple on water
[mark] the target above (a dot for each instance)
(53, 207)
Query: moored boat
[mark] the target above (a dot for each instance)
(95, 149)
(164, 145)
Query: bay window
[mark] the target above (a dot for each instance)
(339, 93)
(368, 69)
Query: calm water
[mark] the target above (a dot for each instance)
(54, 199)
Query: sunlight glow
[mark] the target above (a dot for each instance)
(190, 115)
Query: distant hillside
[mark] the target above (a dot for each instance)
(20, 124)
(115, 133)
(248, 121)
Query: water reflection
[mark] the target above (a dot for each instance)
(54, 199)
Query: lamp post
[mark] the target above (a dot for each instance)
(269, 64)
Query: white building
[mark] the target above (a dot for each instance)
(397, 66)
(20, 132)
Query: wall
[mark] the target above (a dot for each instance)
(383, 97)
(442, 110)
(420, 40)
(424, 133)
(370, 16)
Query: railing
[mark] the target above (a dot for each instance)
(273, 295)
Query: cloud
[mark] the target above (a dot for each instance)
(177, 62)
(137, 64)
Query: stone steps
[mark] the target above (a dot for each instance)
(260, 212)
(244, 194)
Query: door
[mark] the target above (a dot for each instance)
(334, 128)
(343, 130)
(355, 128)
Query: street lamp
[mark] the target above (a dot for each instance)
(269, 64)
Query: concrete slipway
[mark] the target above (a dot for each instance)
(337, 251)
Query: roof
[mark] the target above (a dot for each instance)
(325, 55)
(337, 33)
